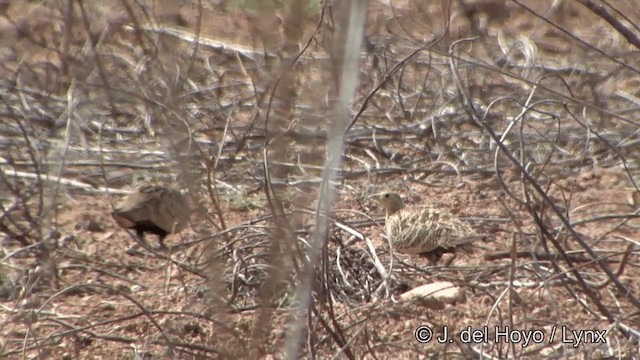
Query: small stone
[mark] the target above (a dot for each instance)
(435, 295)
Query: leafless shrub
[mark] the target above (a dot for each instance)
(495, 108)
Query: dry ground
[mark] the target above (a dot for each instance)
(106, 94)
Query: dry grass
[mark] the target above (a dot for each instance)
(518, 116)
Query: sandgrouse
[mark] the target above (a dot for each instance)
(153, 209)
(425, 230)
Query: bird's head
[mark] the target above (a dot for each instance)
(390, 201)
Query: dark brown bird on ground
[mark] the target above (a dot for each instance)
(425, 230)
(153, 209)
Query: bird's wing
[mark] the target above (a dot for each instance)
(426, 228)
(138, 206)
(413, 232)
(172, 211)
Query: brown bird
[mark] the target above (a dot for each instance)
(425, 230)
(153, 209)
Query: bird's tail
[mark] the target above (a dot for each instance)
(122, 220)
(473, 244)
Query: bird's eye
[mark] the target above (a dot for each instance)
(386, 196)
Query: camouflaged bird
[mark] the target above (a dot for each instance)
(153, 209)
(425, 230)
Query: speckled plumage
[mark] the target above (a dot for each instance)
(423, 229)
(153, 209)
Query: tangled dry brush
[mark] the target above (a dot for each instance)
(279, 121)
